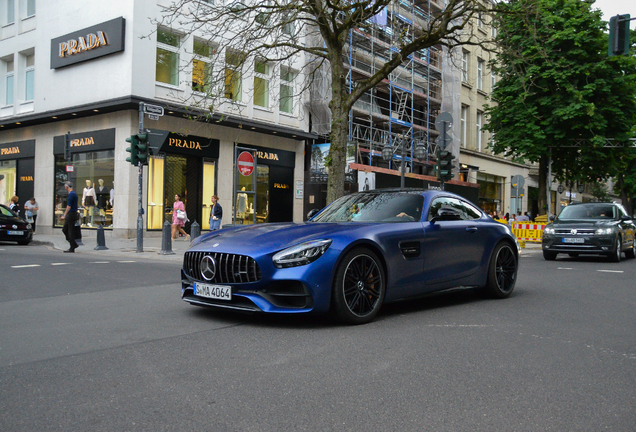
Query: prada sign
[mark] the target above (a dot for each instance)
(86, 141)
(17, 150)
(89, 43)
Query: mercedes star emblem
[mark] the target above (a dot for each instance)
(573, 232)
(208, 268)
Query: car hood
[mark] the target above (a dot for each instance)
(12, 220)
(271, 237)
(578, 223)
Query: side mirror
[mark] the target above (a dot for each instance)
(312, 213)
(552, 218)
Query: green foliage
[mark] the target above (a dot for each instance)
(556, 85)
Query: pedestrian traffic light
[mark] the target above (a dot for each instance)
(142, 148)
(133, 150)
(445, 165)
(618, 35)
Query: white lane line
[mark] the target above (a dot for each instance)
(99, 262)
(126, 261)
(60, 263)
(26, 266)
(611, 271)
(564, 268)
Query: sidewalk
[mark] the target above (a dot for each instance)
(116, 246)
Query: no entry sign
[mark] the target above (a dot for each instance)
(245, 163)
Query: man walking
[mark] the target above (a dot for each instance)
(70, 216)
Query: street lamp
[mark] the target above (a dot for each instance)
(419, 152)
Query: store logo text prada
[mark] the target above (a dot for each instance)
(81, 44)
(175, 142)
(81, 142)
(268, 156)
(9, 151)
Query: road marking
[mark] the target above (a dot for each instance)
(25, 266)
(60, 263)
(99, 262)
(564, 268)
(126, 261)
(611, 271)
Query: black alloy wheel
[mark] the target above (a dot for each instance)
(615, 256)
(549, 256)
(359, 287)
(502, 272)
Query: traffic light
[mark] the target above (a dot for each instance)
(133, 150)
(445, 165)
(142, 148)
(618, 35)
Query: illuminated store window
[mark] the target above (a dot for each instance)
(155, 192)
(168, 44)
(7, 180)
(93, 181)
(233, 62)
(209, 187)
(201, 65)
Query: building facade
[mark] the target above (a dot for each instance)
(84, 74)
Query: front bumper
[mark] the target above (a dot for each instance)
(591, 244)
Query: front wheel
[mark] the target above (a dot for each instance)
(629, 253)
(549, 256)
(615, 256)
(24, 242)
(359, 287)
(502, 272)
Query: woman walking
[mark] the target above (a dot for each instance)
(216, 214)
(179, 218)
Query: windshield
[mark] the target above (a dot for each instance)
(589, 211)
(374, 207)
(7, 212)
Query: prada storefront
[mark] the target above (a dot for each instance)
(184, 165)
(16, 171)
(274, 187)
(91, 170)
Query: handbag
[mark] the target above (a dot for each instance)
(181, 215)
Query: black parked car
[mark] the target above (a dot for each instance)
(14, 228)
(590, 228)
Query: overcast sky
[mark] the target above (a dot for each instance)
(611, 8)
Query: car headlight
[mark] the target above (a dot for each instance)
(29, 226)
(604, 231)
(301, 254)
(548, 230)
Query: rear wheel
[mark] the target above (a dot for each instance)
(24, 242)
(629, 253)
(549, 256)
(359, 287)
(615, 256)
(502, 272)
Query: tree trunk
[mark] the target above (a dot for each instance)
(339, 133)
(543, 183)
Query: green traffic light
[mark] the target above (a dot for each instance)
(133, 150)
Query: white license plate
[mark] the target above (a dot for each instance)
(573, 240)
(16, 233)
(219, 292)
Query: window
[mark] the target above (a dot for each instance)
(493, 81)
(30, 8)
(261, 83)
(201, 66)
(233, 62)
(480, 22)
(29, 78)
(480, 74)
(167, 57)
(464, 210)
(9, 80)
(10, 18)
(478, 130)
(286, 90)
(462, 125)
(465, 66)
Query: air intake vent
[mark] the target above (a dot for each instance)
(230, 268)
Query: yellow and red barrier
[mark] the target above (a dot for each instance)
(528, 231)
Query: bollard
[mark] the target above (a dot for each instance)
(195, 230)
(166, 240)
(101, 241)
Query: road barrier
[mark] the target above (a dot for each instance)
(528, 231)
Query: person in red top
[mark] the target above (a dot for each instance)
(178, 224)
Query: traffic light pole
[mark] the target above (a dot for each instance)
(140, 219)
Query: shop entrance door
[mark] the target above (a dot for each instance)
(183, 176)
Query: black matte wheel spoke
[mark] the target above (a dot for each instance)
(505, 269)
(362, 285)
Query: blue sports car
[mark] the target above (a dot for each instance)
(361, 251)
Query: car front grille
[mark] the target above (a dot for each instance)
(568, 231)
(230, 268)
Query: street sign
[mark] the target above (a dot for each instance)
(153, 117)
(245, 163)
(153, 109)
(70, 168)
(443, 119)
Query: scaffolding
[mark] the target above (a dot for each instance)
(405, 104)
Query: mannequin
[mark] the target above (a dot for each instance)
(102, 197)
(241, 205)
(88, 202)
(112, 195)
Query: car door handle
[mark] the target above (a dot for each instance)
(471, 229)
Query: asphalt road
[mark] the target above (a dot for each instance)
(107, 345)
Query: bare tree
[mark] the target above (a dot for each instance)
(308, 38)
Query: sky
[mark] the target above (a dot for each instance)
(611, 8)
